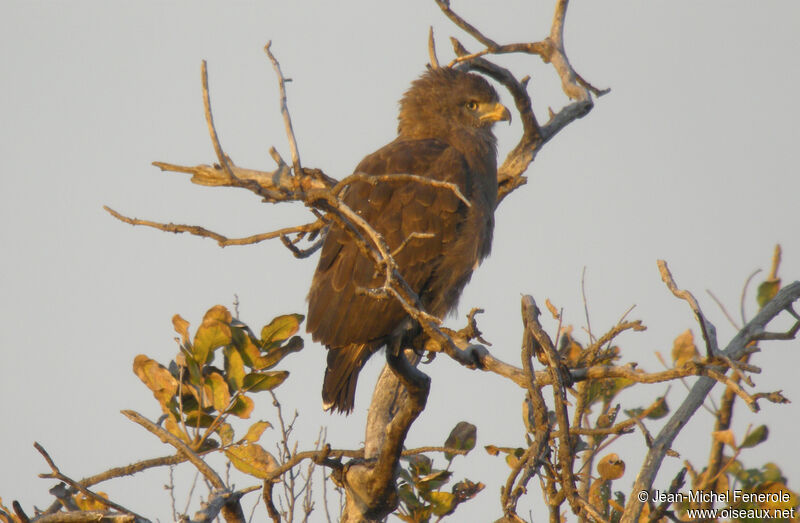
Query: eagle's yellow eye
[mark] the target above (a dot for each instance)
(472, 105)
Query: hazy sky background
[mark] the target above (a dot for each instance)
(691, 158)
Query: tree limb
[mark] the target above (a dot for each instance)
(734, 350)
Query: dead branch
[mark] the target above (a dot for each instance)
(212, 130)
(735, 349)
(179, 445)
(550, 50)
(537, 452)
(57, 475)
(708, 330)
(86, 517)
(566, 456)
(221, 240)
(221, 502)
(287, 119)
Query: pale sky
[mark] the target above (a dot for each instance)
(690, 158)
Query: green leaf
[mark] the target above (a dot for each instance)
(277, 353)
(759, 435)
(189, 399)
(157, 378)
(772, 472)
(606, 389)
(198, 418)
(250, 353)
(280, 328)
(256, 430)
(225, 431)
(661, 410)
(462, 437)
(260, 381)
(407, 496)
(767, 290)
(433, 481)
(419, 465)
(195, 372)
(213, 333)
(251, 458)
(234, 368)
(242, 407)
(442, 503)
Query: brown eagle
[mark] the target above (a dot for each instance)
(444, 133)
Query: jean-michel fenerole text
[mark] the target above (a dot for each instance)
(730, 497)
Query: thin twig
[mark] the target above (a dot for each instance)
(212, 130)
(287, 119)
(707, 329)
(182, 447)
(56, 474)
(221, 240)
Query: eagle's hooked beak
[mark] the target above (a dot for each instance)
(495, 113)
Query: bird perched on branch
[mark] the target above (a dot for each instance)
(437, 240)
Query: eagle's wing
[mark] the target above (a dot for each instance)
(338, 314)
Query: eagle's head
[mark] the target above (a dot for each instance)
(445, 103)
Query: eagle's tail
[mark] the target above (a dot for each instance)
(341, 375)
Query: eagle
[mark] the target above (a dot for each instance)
(444, 134)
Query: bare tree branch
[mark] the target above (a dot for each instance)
(287, 120)
(734, 350)
(179, 445)
(56, 474)
(212, 130)
(221, 240)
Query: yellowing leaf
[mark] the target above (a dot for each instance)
(220, 394)
(725, 436)
(252, 459)
(277, 353)
(260, 381)
(213, 333)
(280, 328)
(86, 503)
(767, 290)
(157, 378)
(225, 432)
(778, 493)
(174, 428)
(250, 353)
(684, 349)
(442, 503)
(611, 467)
(242, 407)
(256, 430)
(234, 368)
(181, 327)
(659, 410)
